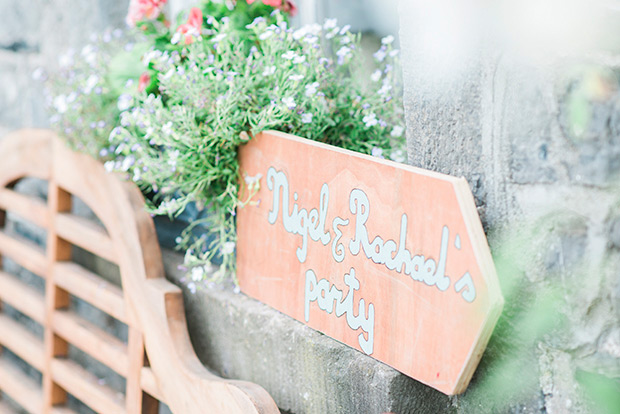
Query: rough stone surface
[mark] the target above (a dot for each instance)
(304, 370)
(535, 132)
(34, 34)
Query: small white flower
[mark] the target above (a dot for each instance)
(377, 152)
(60, 104)
(330, 24)
(128, 162)
(39, 74)
(370, 120)
(380, 55)
(91, 82)
(397, 131)
(394, 52)
(311, 39)
(109, 166)
(299, 59)
(296, 78)
(290, 55)
(345, 29)
(385, 89)
(289, 102)
(89, 54)
(345, 40)
(311, 89)
(376, 75)
(314, 28)
(265, 35)
(176, 38)
(151, 56)
(167, 128)
(66, 59)
(124, 102)
(198, 273)
(256, 21)
(218, 38)
(387, 40)
(299, 33)
(270, 70)
(252, 179)
(228, 247)
(343, 51)
(306, 118)
(398, 156)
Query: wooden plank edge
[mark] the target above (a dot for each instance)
(28, 208)
(148, 382)
(22, 297)
(91, 288)
(21, 342)
(85, 234)
(91, 339)
(22, 389)
(62, 410)
(85, 386)
(24, 252)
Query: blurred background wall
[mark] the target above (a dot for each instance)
(520, 97)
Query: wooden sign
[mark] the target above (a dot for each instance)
(386, 258)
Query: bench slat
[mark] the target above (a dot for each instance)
(88, 337)
(22, 297)
(28, 208)
(85, 386)
(24, 252)
(91, 288)
(24, 390)
(21, 342)
(85, 234)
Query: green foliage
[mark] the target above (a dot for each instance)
(247, 72)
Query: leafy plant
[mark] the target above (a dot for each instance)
(212, 83)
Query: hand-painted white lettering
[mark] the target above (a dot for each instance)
(300, 221)
(325, 297)
(380, 251)
(395, 256)
(338, 251)
(466, 281)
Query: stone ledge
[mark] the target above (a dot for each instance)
(303, 370)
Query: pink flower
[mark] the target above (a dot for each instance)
(190, 29)
(289, 7)
(143, 9)
(144, 81)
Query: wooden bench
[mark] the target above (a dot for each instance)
(157, 360)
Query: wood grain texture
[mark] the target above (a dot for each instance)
(151, 306)
(21, 388)
(22, 297)
(333, 237)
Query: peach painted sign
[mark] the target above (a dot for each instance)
(386, 258)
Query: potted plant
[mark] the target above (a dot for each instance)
(210, 83)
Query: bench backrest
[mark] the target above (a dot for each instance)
(155, 357)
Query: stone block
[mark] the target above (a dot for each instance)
(304, 370)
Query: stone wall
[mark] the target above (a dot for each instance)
(535, 128)
(305, 371)
(523, 100)
(34, 34)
